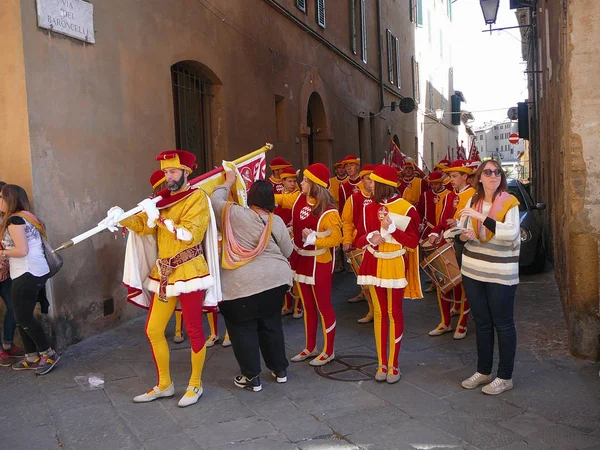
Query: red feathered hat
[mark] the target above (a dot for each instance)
(177, 159)
(436, 176)
(318, 173)
(287, 173)
(460, 165)
(157, 178)
(350, 159)
(279, 163)
(386, 175)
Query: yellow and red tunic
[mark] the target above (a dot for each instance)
(186, 211)
(347, 188)
(435, 209)
(277, 184)
(352, 215)
(411, 189)
(285, 213)
(334, 187)
(328, 228)
(462, 198)
(385, 265)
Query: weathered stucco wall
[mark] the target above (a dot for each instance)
(570, 168)
(98, 114)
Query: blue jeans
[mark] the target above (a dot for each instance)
(9, 325)
(492, 306)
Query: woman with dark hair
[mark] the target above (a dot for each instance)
(317, 229)
(255, 275)
(22, 242)
(9, 350)
(391, 227)
(490, 273)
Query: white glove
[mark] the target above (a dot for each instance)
(113, 216)
(151, 211)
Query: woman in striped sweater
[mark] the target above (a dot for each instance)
(490, 271)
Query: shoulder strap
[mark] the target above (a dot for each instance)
(33, 220)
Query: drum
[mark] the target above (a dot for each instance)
(426, 248)
(354, 258)
(441, 265)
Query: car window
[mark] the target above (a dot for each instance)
(514, 190)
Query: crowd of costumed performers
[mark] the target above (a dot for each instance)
(257, 250)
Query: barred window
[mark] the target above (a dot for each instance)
(321, 13)
(301, 5)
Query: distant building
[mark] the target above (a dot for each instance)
(492, 141)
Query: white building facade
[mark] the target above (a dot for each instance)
(492, 141)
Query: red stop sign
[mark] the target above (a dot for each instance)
(513, 138)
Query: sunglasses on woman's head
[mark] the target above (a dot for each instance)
(489, 172)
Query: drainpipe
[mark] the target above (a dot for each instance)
(379, 44)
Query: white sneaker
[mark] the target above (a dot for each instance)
(154, 394)
(498, 386)
(188, 400)
(212, 340)
(475, 380)
(440, 329)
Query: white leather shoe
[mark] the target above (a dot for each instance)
(303, 355)
(322, 359)
(460, 333)
(154, 394)
(188, 400)
(441, 329)
(212, 340)
(367, 319)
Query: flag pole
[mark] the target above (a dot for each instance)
(97, 229)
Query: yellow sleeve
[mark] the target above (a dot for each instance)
(330, 221)
(138, 224)
(348, 222)
(194, 218)
(287, 200)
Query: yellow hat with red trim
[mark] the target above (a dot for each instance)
(177, 159)
(288, 172)
(460, 165)
(367, 169)
(350, 159)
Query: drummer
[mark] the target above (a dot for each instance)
(352, 220)
(436, 207)
(459, 173)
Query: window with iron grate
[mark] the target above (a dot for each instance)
(320, 10)
(301, 5)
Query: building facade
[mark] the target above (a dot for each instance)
(560, 43)
(492, 141)
(83, 122)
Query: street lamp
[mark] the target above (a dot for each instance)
(490, 10)
(439, 114)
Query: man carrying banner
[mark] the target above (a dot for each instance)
(179, 221)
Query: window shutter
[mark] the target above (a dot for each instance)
(352, 26)
(419, 12)
(398, 78)
(390, 56)
(321, 13)
(415, 75)
(301, 5)
(411, 10)
(363, 30)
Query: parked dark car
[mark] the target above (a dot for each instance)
(533, 255)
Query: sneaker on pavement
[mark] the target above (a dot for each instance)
(498, 386)
(280, 375)
(23, 364)
(251, 384)
(5, 359)
(15, 350)
(475, 380)
(154, 394)
(440, 329)
(47, 362)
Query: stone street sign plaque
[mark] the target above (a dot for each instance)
(74, 18)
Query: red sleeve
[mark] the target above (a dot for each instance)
(421, 205)
(410, 237)
(341, 198)
(424, 186)
(447, 213)
(360, 240)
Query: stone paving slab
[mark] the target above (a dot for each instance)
(554, 404)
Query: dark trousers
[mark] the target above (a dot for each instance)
(9, 325)
(254, 324)
(492, 305)
(24, 295)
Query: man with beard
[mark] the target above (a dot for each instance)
(179, 221)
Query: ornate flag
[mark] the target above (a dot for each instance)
(461, 152)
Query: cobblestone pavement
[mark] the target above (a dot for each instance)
(555, 402)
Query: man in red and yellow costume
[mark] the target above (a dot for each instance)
(352, 220)
(277, 165)
(334, 182)
(289, 178)
(352, 184)
(411, 186)
(459, 173)
(179, 221)
(443, 164)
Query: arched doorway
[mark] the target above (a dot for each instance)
(319, 143)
